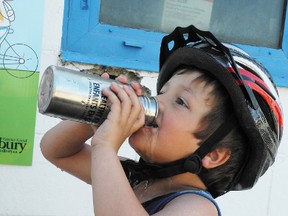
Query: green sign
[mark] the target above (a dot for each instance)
(18, 104)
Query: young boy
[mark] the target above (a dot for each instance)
(218, 129)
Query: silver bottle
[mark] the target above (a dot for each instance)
(75, 95)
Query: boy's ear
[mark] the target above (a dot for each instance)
(216, 158)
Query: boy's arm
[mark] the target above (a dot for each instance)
(112, 193)
(64, 145)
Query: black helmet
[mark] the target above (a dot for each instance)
(254, 96)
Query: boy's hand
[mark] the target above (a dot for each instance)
(126, 115)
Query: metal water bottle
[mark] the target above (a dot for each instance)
(75, 95)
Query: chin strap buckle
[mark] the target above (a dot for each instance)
(193, 164)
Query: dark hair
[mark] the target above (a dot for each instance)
(218, 180)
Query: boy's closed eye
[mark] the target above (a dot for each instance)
(182, 102)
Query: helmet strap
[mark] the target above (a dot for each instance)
(208, 145)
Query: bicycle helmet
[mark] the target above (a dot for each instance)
(253, 94)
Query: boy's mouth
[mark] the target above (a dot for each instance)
(153, 125)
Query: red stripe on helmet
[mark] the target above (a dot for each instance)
(251, 76)
(274, 106)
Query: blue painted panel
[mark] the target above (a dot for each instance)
(285, 34)
(86, 40)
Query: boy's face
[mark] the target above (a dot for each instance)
(183, 101)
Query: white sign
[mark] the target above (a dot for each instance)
(186, 12)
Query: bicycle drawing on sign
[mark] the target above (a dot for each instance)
(18, 59)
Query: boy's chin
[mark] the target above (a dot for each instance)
(143, 134)
(136, 139)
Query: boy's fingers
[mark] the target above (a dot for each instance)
(137, 88)
(122, 78)
(105, 75)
